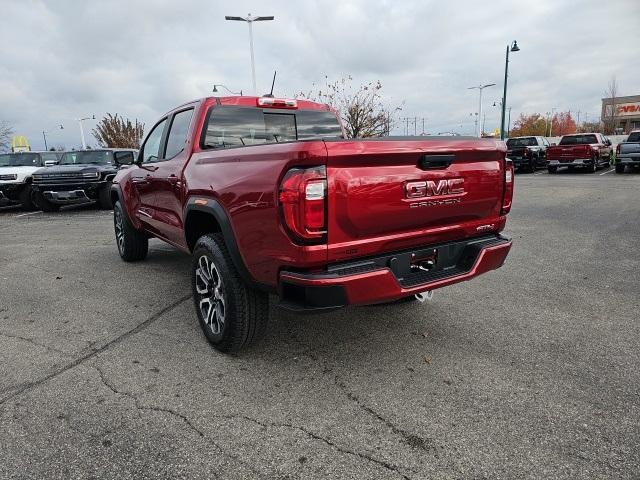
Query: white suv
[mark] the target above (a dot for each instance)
(16, 170)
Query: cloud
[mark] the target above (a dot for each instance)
(67, 59)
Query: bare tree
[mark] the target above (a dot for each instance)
(361, 108)
(610, 117)
(115, 131)
(5, 135)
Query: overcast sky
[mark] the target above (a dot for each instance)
(61, 60)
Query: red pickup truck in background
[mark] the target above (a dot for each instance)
(269, 197)
(583, 150)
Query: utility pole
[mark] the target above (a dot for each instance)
(249, 19)
(551, 124)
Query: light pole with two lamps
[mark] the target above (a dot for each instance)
(80, 120)
(249, 19)
(480, 88)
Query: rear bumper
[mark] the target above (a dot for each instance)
(384, 279)
(629, 160)
(576, 162)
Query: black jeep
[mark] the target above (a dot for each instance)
(81, 177)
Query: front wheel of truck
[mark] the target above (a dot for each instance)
(231, 314)
(132, 244)
(104, 197)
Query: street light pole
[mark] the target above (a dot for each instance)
(480, 88)
(80, 120)
(513, 48)
(44, 135)
(249, 19)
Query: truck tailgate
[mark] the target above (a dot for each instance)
(387, 195)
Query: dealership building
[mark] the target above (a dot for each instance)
(627, 112)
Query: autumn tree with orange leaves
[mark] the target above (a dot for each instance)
(527, 125)
(563, 124)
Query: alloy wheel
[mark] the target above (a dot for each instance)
(209, 288)
(119, 228)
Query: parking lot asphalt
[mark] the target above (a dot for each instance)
(531, 371)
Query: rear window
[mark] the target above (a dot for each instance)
(578, 140)
(522, 142)
(634, 137)
(242, 126)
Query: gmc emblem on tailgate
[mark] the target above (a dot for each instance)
(430, 188)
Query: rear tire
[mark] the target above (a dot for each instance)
(532, 165)
(593, 168)
(619, 168)
(44, 204)
(552, 169)
(231, 314)
(132, 244)
(104, 197)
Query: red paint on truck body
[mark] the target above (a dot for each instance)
(367, 209)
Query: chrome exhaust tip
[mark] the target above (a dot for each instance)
(424, 296)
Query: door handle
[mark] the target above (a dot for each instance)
(436, 162)
(174, 180)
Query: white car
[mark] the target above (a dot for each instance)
(16, 170)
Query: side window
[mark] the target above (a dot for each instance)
(152, 148)
(178, 133)
(234, 126)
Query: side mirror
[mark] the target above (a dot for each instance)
(50, 163)
(123, 158)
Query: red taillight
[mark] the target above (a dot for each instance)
(508, 187)
(303, 196)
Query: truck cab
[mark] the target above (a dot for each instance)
(16, 176)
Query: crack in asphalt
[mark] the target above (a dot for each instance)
(14, 392)
(34, 342)
(409, 438)
(140, 407)
(387, 465)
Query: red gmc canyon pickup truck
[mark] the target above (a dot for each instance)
(269, 197)
(583, 150)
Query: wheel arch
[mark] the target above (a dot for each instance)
(205, 215)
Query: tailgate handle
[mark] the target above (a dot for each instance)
(434, 162)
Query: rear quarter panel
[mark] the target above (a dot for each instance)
(245, 181)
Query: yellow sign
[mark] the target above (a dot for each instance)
(19, 143)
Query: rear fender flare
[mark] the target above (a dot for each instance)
(217, 211)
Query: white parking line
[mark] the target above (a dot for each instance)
(26, 214)
(540, 173)
(608, 171)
